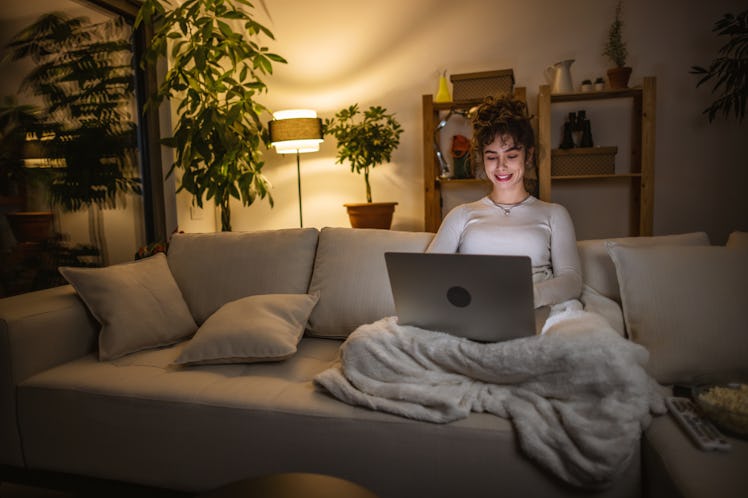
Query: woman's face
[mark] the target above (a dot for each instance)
(504, 162)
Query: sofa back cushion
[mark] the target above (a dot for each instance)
(687, 307)
(351, 278)
(212, 269)
(598, 270)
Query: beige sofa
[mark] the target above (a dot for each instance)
(76, 400)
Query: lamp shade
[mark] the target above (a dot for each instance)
(297, 130)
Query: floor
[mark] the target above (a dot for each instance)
(8, 490)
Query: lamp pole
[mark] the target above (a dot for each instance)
(298, 182)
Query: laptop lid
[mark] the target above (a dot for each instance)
(486, 298)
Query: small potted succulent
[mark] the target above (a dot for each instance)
(615, 50)
(365, 139)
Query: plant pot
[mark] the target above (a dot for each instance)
(618, 77)
(371, 214)
(30, 226)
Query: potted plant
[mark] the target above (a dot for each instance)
(16, 122)
(615, 49)
(728, 71)
(365, 139)
(84, 77)
(215, 74)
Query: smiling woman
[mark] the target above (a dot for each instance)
(510, 221)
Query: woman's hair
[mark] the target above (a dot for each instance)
(505, 116)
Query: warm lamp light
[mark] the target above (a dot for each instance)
(296, 131)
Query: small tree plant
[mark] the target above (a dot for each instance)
(215, 73)
(365, 139)
(729, 71)
(615, 47)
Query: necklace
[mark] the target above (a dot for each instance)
(507, 208)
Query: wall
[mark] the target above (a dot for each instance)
(389, 53)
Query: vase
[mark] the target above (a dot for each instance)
(371, 214)
(30, 226)
(618, 77)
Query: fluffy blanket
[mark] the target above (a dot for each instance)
(578, 394)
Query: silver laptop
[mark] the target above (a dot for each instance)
(480, 297)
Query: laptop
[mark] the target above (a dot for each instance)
(484, 298)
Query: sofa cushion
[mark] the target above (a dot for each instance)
(687, 306)
(738, 239)
(255, 328)
(597, 268)
(215, 268)
(195, 429)
(138, 305)
(350, 275)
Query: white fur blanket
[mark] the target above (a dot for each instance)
(578, 395)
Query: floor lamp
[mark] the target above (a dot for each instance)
(297, 130)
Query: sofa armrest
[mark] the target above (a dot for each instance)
(38, 331)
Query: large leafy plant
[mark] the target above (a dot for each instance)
(365, 139)
(729, 71)
(84, 76)
(216, 69)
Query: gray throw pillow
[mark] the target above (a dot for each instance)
(138, 305)
(252, 329)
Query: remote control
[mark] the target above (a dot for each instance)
(702, 431)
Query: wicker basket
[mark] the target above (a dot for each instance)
(583, 161)
(479, 85)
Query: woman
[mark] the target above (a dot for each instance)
(509, 220)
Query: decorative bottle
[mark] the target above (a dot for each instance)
(443, 94)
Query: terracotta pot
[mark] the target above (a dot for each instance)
(30, 226)
(371, 214)
(618, 77)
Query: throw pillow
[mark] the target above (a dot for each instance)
(598, 270)
(252, 329)
(138, 305)
(687, 306)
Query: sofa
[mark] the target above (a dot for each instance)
(167, 392)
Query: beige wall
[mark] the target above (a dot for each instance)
(388, 53)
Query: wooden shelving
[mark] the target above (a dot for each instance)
(640, 178)
(432, 181)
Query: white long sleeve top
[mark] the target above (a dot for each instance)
(541, 230)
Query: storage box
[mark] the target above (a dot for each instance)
(583, 161)
(479, 85)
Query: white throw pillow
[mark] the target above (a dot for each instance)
(350, 275)
(138, 305)
(252, 329)
(598, 270)
(687, 306)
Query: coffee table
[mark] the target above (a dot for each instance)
(291, 485)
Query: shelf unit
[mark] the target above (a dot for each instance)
(433, 184)
(640, 178)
